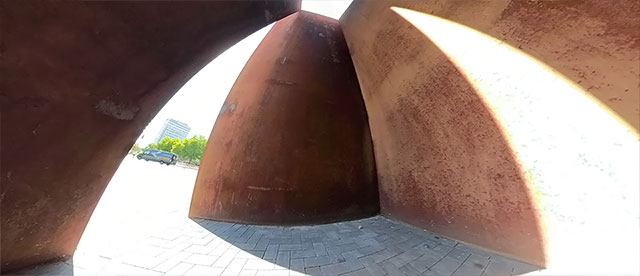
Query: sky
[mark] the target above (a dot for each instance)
(198, 102)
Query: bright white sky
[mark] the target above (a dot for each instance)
(198, 102)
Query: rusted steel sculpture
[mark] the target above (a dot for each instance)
(487, 128)
(80, 80)
(291, 144)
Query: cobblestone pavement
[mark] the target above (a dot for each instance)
(141, 228)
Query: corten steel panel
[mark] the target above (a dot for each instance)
(291, 144)
(80, 80)
(448, 158)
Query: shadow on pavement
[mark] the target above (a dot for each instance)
(372, 246)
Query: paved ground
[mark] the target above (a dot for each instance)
(141, 228)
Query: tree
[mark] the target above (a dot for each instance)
(191, 149)
(178, 148)
(135, 149)
(166, 144)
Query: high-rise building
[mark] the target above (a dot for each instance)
(173, 129)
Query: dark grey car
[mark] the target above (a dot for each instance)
(159, 156)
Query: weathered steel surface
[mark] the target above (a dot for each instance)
(291, 144)
(445, 158)
(80, 80)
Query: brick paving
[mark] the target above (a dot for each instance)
(140, 227)
(372, 246)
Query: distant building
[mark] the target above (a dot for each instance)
(173, 129)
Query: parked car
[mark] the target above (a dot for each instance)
(162, 157)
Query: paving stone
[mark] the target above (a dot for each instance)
(337, 242)
(372, 267)
(143, 261)
(317, 261)
(314, 238)
(259, 265)
(352, 255)
(381, 247)
(283, 259)
(473, 250)
(370, 249)
(447, 241)
(341, 268)
(234, 267)
(257, 253)
(391, 269)
(342, 248)
(204, 270)
(171, 262)
(405, 257)
(303, 254)
(314, 271)
(442, 249)
(320, 249)
(159, 242)
(220, 249)
(201, 241)
(199, 249)
(361, 272)
(383, 255)
(200, 259)
(466, 270)
(498, 266)
(428, 243)
(459, 254)
(271, 253)
(520, 268)
(424, 262)
(248, 272)
(248, 254)
(262, 243)
(85, 261)
(410, 243)
(307, 246)
(275, 272)
(226, 258)
(149, 250)
(126, 269)
(477, 261)
(367, 235)
(446, 266)
(199, 234)
(409, 270)
(296, 264)
(290, 247)
(365, 242)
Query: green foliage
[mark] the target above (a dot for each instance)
(189, 149)
(152, 146)
(166, 144)
(135, 149)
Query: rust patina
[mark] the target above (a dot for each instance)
(291, 144)
(80, 80)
